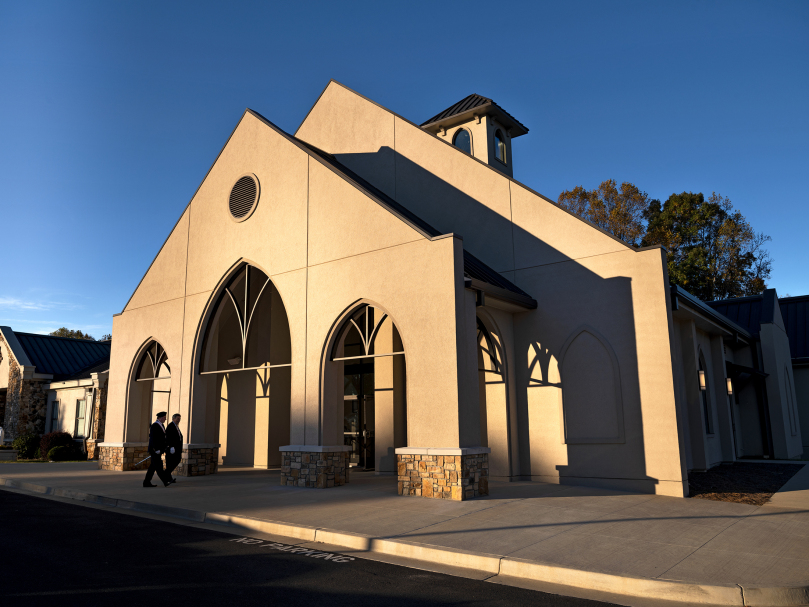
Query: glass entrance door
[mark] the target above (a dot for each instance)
(358, 414)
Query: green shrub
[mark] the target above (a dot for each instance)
(61, 453)
(55, 439)
(26, 446)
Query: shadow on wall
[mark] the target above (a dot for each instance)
(577, 408)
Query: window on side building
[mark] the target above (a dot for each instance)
(78, 431)
(463, 141)
(500, 147)
(54, 416)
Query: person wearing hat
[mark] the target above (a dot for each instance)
(174, 446)
(157, 446)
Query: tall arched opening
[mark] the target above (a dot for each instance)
(365, 389)
(495, 430)
(245, 371)
(149, 391)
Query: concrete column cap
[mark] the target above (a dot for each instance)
(442, 450)
(315, 448)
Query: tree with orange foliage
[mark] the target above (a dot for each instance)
(619, 211)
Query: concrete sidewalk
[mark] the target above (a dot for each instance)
(688, 550)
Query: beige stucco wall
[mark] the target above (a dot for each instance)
(326, 246)
(578, 275)
(67, 401)
(781, 394)
(482, 132)
(629, 312)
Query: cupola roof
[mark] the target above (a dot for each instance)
(467, 108)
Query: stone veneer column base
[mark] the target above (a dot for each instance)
(198, 460)
(454, 474)
(314, 466)
(122, 456)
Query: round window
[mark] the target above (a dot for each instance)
(243, 197)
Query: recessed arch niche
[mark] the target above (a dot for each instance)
(244, 370)
(591, 399)
(364, 388)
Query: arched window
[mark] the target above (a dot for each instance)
(500, 147)
(703, 387)
(463, 140)
(248, 328)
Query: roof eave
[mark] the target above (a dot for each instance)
(521, 301)
(706, 310)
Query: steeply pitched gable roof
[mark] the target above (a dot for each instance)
(473, 267)
(62, 357)
(795, 311)
(383, 200)
(477, 102)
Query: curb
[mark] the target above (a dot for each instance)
(650, 588)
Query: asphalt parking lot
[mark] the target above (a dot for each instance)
(62, 553)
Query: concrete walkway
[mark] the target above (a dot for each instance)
(760, 554)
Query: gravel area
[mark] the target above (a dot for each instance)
(741, 482)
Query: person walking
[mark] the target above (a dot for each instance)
(157, 446)
(174, 446)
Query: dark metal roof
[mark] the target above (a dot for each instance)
(465, 104)
(744, 311)
(795, 311)
(87, 372)
(62, 357)
(473, 102)
(749, 312)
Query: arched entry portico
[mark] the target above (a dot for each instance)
(368, 354)
(363, 402)
(149, 391)
(243, 372)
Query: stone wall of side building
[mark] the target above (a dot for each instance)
(26, 404)
(99, 418)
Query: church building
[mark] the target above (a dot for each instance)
(374, 294)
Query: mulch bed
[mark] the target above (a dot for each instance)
(741, 482)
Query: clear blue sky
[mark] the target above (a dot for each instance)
(111, 113)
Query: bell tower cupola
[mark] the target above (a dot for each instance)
(481, 128)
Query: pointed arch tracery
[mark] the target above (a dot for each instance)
(357, 336)
(248, 321)
(154, 364)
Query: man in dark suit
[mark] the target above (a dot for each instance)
(174, 446)
(157, 446)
